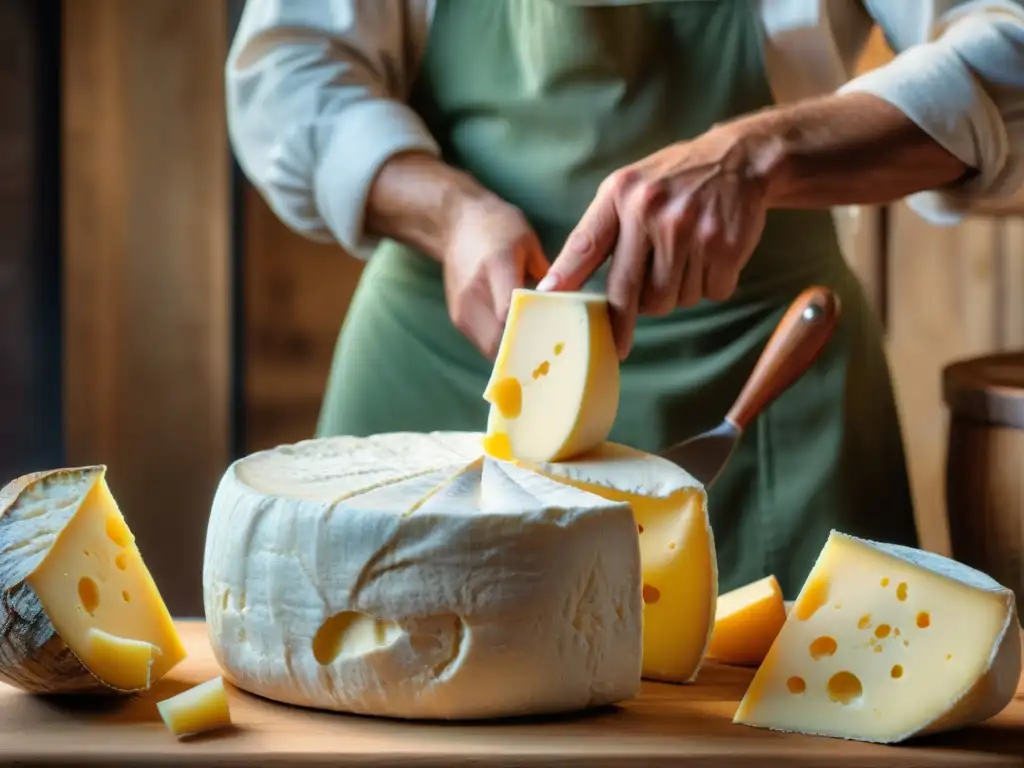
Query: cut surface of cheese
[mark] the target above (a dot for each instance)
(885, 643)
(127, 664)
(69, 567)
(677, 550)
(747, 621)
(199, 709)
(554, 387)
(407, 575)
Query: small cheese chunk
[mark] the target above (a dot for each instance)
(68, 566)
(128, 663)
(554, 388)
(677, 550)
(887, 642)
(197, 710)
(746, 623)
(407, 575)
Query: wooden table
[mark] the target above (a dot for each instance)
(667, 725)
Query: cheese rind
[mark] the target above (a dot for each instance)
(677, 550)
(747, 621)
(885, 643)
(199, 709)
(554, 387)
(405, 575)
(69, 565)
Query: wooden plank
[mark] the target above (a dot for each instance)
(666, 725)
(147, 243)
(296, 295)
(31, 435)
(944, 305)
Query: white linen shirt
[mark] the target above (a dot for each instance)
(317, 90)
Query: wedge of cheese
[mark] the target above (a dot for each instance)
(747, 621)
(886, 642)
(554, 387)
(82, 611)
(677, 550)
(199, 709)
(406, 575)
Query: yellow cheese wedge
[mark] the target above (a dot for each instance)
(885, 643)
(677, 550)
(554, 388)
(69, 566)
(197, 710)
(128, 663)
(746, 623)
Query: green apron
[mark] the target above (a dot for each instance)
(540, 100)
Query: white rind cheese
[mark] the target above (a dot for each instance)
(885, 643)
(405, 575)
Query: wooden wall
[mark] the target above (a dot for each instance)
(31, 423)
(147, 267)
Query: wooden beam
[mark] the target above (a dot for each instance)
(148, 268)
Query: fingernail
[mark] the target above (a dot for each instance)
(549, 281)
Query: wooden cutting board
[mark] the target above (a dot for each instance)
(667, 725)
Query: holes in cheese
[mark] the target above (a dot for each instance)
(197, 710)
(351, 633)
(563, 405)
(67, 560)
(923, 620)
(747, 620)
(860, 691)
(823, 646)
(677, 551)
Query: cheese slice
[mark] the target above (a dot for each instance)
(69, 566)
(747, 621)
(197, 710)
(407, 575)
(677, 550)
(128, 663)
(554, 387)
(887, 642)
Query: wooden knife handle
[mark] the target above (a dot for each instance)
(796, 343)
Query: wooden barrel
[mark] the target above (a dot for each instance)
(985, 465)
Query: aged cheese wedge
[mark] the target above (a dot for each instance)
(677, 550)
(406, 575)
(554, 388)
(69, 566)
(886, 642)
(199, 709)
(747, 621)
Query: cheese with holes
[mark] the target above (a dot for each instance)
(81, 604)
(884, 643)
(747, 621)
(406, 575)
(554, 387)
(677, 550)
(199, 709)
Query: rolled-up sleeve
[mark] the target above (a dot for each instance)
(316, 95)
(959, 75)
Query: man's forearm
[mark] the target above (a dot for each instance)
(853, 149)
(414, 199)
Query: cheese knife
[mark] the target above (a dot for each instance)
(797, 341)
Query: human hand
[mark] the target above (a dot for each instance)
(488, 250)
(698, 205)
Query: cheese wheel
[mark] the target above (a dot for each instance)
(405, 575)
(82, 613)
(543, 587)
